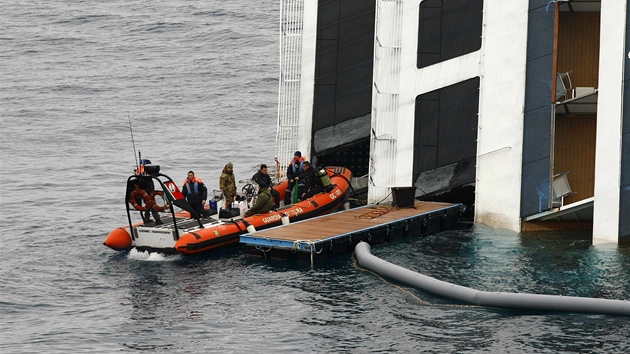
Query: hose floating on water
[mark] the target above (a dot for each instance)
(484, 298)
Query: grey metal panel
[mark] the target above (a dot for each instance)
(350, 105)
(353, 27)
(540, 28)
(349, 80)
(539, 72)
(326, 64)
(424, 155)
(538, 4)
(537, 136)
(624, 200)
(535, 188)
(537, 117)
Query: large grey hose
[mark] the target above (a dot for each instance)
(485, 298)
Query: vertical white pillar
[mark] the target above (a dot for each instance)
(307, 77)
(385, 166)
(501, 104)
(609, 122)
(407, 93)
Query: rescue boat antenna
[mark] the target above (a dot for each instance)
(133, 142)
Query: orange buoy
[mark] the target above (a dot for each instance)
(139, 193)
(119, 239)
(156, 206)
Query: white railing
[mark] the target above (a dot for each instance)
(385, 98)
(291, 29)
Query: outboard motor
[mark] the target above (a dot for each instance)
(249, 191)
(323, 176)
(152, 170)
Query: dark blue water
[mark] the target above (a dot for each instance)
(198, 79)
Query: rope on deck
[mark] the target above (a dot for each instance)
(374, 213)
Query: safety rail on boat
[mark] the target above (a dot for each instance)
(152, 172)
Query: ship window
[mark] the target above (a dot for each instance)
(448, 29)
(446, 131)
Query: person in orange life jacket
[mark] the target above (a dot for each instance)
(293, 170)
(145, 183)
(263, 176)
(196, 193)
(227, 184)
(309, 183)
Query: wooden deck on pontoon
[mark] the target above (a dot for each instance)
(341, 231)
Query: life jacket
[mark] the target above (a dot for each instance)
(297, 169)
(195, 183)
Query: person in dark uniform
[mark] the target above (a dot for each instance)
(195, 191)
(309, 183)
(263, 176)
(145, 183)
(293, 170)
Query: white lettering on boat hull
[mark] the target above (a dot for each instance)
(154, 237)
(278, 217)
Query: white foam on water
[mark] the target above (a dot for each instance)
(134, 254)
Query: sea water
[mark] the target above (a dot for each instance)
(197, 81)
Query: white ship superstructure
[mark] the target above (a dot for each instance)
(517, 108)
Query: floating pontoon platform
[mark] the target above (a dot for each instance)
(334, 234)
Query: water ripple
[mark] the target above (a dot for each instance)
(198, 81)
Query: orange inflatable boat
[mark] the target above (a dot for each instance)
(186, 232)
